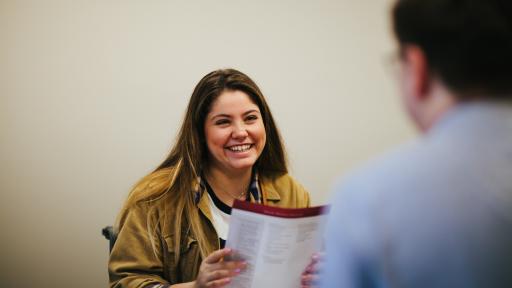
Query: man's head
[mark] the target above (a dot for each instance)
(460, 49)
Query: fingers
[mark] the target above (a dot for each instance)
(216, 256)
(228, 265)
(310, 276)
(218, 283)
(219, 278)
(222, 272)
(315, 264)
(317, 257)
(309, 280)
(313, 268)
(216, 271)
(218, 274)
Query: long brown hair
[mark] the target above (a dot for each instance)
(184, 164)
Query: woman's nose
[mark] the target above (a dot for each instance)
(239, 131)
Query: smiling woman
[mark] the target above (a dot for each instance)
(172, 228)
(235, 134)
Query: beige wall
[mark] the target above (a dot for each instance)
(92, 93)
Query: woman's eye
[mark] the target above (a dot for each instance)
(222, 122)
(251, 118)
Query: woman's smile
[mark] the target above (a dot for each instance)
(240, 148)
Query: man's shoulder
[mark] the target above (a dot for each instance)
(388, 165)
(396, 172)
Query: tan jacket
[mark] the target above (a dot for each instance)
(133, 262)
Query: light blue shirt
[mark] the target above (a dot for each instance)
(436, 213)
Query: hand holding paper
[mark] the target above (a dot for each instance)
(276, 243)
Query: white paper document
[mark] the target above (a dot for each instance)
(276, 243)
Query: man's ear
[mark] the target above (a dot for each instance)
(417, 67)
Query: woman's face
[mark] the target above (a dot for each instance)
(234, 131)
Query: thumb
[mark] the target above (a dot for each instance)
(216, 256)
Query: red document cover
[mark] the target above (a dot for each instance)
(280, 212)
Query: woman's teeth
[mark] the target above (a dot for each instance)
(240, 148)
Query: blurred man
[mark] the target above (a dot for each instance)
(437, 212)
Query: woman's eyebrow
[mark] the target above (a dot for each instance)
(229, 116)
(220, 115)
(252, 111)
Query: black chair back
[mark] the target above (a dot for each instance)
(111, 236)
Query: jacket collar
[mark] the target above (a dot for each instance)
(269, 191)
(258, 190)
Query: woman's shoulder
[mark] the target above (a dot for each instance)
(152, 187)
(284, 180)
(286, 191)
(150, 195)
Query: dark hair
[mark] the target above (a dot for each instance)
(467, 43)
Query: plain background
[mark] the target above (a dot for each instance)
(93, 92)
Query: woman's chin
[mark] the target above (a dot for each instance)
(242, 164)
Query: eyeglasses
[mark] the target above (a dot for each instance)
(392, 63)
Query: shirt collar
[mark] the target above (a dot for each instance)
(254, 190)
